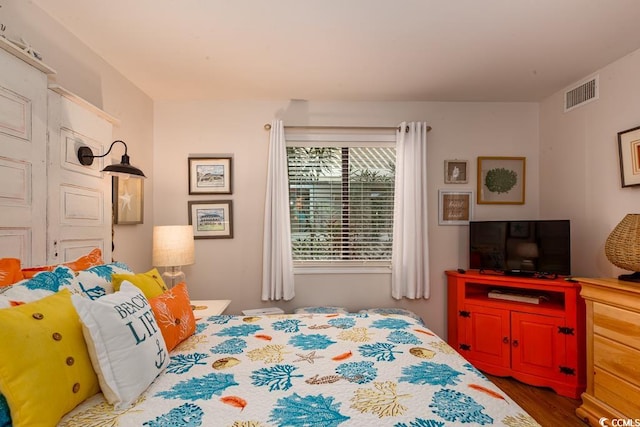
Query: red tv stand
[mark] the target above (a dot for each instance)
(541, 343)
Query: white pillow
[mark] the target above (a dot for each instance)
(125, 344)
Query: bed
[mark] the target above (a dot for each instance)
(312, 370)
(317, 367)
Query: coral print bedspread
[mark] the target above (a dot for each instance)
(316, 370)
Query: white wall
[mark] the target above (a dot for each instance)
(580, 171)
(81, 71)
(231, 268)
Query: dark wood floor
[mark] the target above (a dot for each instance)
(547, 407)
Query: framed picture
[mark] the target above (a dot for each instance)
(455, 172)
(519, 229)
(501, 180)
(211, 219)
(128, 200)
(629, 148)
(455, 207)
(210, 175)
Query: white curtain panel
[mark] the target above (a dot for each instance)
(277, 262)
(410, 259)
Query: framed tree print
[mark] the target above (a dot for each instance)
(501, 180)
(210, 175)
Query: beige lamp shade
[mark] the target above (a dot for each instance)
(173, 245)
(622, 247)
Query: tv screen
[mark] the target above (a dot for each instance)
(540, 246)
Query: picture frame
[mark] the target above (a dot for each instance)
(456, 171)
(501, 180)
(519, 229)
(210, 174)
(127, 200)
(455, 207)
(629, 152)
(211, 219)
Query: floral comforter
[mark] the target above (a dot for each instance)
(316, 370)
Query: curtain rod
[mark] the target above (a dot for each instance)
(268, 127)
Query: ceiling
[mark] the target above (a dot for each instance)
(353, 50)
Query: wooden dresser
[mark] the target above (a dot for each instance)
(613, 351)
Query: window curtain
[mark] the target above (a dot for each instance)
(277, 262)
(410, 259)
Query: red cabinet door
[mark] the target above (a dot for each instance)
(486, 333)
(538, 346)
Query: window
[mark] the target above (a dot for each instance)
(341, 191)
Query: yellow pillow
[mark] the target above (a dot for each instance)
(45, 369)
(150, 283)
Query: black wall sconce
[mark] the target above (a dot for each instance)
(124, 168)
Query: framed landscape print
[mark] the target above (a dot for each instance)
(210, 175)
(501, 180)
(128, 200)
(455, 207)
(629, 148)
(211, 219)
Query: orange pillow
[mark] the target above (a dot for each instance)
(174, 315)
(10, 272)
(92, 259)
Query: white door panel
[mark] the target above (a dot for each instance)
(23, 136)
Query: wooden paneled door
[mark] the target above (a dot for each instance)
(23, 135)
(79, 205)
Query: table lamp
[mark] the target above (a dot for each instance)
(173, 247)
(622, 247)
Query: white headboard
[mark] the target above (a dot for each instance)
(52, 209)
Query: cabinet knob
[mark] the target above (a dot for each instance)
(515, 343)
(505, 340)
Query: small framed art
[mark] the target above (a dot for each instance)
(629, 149)
(211, 219)
(128, 200)
(501, 180)
(455, 207)
(210, 175)
(455, 171)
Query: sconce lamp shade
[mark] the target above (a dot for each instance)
(123, 169)
(173, 245)
(622, 247)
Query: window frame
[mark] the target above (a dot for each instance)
(339, 138)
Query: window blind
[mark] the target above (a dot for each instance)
(341, 196)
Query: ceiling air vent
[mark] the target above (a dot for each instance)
(581, 94)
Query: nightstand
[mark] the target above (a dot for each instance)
(209, 307)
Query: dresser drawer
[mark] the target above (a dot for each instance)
(617, 359)
(617, 393)
(617, 324)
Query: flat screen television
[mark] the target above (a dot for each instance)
(521, 247)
